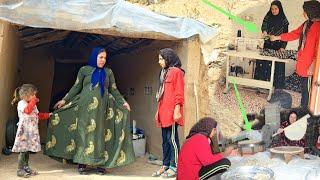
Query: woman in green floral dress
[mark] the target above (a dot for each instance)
(91, 125)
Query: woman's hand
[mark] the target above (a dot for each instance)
(227, 151)
(234, 152)
(281, 50)
(275, 38)
(59, 104)
(127, 106)
(280, 130)
(176, 113)
(310, 69)
(264, 34)
(156, 116)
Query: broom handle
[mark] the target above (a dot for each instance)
(279, 132)
(276, 134)
(197, 100)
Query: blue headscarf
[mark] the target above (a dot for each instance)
(99, 74)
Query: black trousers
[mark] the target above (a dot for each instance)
(304, 92)
(170, 146)
(214, 168)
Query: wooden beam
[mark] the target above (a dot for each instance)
(92, 40)
(44, 45)
(93, 44)
(26, 39)
(79, 39)
(68, 53)
(103, 38)
(137, 44)
(29, 31)
(68, 38)
(107, 45)
(115, 32)
(56, 37)
(73, 38)
(84, 43)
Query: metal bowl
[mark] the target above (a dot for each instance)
(248, 173)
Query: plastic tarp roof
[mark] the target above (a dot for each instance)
(118, 15)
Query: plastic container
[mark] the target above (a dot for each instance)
(241, 46)
(139, 147)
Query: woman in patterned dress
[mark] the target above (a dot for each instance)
(91, 125)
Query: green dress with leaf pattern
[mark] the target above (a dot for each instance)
(91, 129)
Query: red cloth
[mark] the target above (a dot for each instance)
(309, 52)
(32, 103)
(43, 116)
(194, 154)
(173, 94)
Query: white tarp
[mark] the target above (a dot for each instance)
(100, 14)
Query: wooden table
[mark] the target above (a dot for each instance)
(249, 55)
(288, 152)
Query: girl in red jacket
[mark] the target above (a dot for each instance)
(169, 116)
(197, 159)
(308, 34)
(27, 137)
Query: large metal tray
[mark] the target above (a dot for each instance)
(248, 173)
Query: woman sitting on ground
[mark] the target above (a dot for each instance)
(197, 159)
(283, 140)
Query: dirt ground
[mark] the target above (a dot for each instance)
(50, 169)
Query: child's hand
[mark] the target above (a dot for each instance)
(50, 114)
(34, 97)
